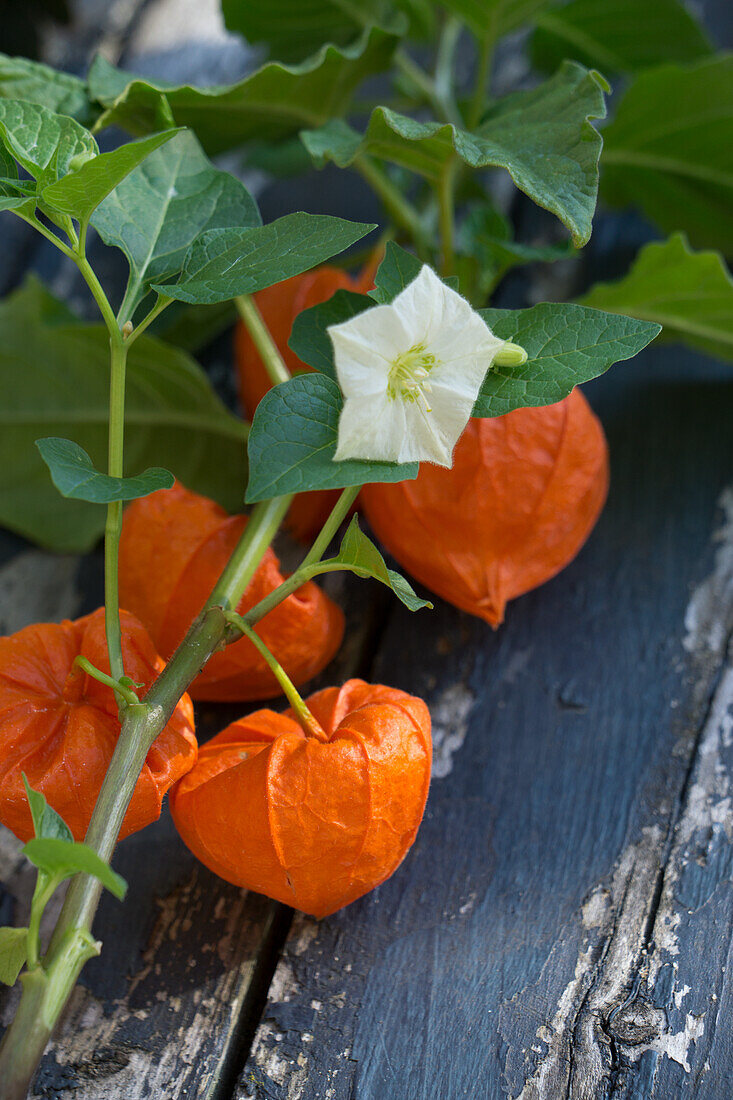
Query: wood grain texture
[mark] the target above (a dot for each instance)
(574, 860)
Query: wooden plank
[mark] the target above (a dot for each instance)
(527, 946)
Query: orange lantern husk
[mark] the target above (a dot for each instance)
(59, 726)
(279, 305)
(524, 493)
(312, 823)
(173, 548)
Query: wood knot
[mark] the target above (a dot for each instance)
(636, 1022)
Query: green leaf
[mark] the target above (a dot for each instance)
(487, 248)
(224, 263)
(64, 858)
(41, 141)
(293, 440)
(359, 554)
(617, 36)
(74, 475)
(54, 375)
(46, 822)
(13, 953)
(494, 17)
(310, 340)
(80, 192)
(567, 344)
(274, 102)
(166, 203)
(689, 293)
(294, 30)
(60, 92)
(669, 150)
(543, 138)
(397, 270)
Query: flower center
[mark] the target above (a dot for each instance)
(408, 375)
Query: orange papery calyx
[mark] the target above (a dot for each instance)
(314, 820)
(521, 498)
(173, 549)
(59, 725)
(279, 305)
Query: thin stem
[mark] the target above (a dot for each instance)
(41, 228)
(161, 304)
(98, 294)
(307, 720)
(400, 209)
(483, 75)
(45, 887)
(306, 568)
(127, 693)
(113, 526)
(264, 521)
(262, 340)
(444, 65)
(446, 215)
(444, 109)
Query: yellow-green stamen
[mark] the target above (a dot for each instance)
(408, 375)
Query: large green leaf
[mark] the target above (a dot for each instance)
(294, 30)
(689, 293)
(543, 138)
(13, 953)
(293, 440)
(64, 858)
(42, 141)
(60, 92)
(224, 263)
(75, 476)
(669, 150)
(81, 190)
(358, 554)
(493, 18)
(309, 338)
(272, 103)
(617, 35)
(163, 205)
(566, 344)
(54, 376)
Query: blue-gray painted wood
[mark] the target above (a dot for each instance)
(514, 951)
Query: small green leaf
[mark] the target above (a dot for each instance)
(543, 137)
(293, 30)
(309, 338)
(272, 103)
(359, 554)
(80, 192)
(224, 263)
(486, 244)
(617, 36)
(293, 440)
(567, 344)
(166, 203)
(62, 93)
(63, 858)
(13, 953)
(668, 150)
(41, 141)
(689, 293)
(494, 17)
(46, 822)
(74, 475)
(397, 270)
(54, 375)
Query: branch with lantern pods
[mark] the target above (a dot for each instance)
(396, 376)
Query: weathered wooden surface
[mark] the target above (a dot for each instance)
(562, 925)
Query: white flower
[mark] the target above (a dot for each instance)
(410, 373)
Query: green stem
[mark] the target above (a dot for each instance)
(113, 526)
(264, 520)
(309, 566)
(45, 887)
(444, 109)
(446, 215)
(307, 720)
(161, 304)
(444, 66)
(481, 85)
(262, 340)
(400, 209)
(121, 689)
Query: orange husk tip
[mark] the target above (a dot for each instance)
(173, 548)
(59, 726)
(279, 305)
(524, 493)
(312, 823)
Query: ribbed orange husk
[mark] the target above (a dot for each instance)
(524, 493)
(173, 548)
(310, 823)
(279, 306)
(60, 726)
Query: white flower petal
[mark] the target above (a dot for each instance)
(364, 348)
(432, 436)
(371, 428)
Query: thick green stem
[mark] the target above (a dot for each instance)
(113, 526)
(446, 216)
(262, 340)
(264, 521)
